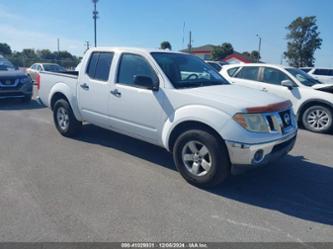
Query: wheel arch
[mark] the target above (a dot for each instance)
(62, 91)
(312, 102)
(188, 125)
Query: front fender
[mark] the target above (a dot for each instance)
(210, 116)
(69, 94)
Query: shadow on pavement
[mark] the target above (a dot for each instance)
(132, 146)
(17, 104)
(292, 185)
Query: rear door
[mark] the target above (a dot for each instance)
(94, 88)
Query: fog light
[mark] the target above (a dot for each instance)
(258, 156)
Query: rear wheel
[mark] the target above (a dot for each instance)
(64, 119)
(318, 118)
(201, 158)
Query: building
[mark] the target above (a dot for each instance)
(204, 52)
(237, 58)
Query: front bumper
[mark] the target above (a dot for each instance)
(19, 91)
(260, 154)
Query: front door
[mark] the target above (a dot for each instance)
(134, 110)
(271, 79)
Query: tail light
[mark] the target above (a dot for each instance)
(38, 81)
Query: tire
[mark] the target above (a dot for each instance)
(64, 119)
(193, 166)
(318, 118)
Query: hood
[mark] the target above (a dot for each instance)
(12, 74)
(324, 87)
(237, 97)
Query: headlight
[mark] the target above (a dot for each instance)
(25, 80)
(252, 122)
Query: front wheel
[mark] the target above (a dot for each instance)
(64, 119)
(318, 118)
(201, 158)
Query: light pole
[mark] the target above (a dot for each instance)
(95, 16)
(259, 37)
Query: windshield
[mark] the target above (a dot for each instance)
(185, 70)
(53, 68)
(6, 65)
(306, 70)
(303, 77)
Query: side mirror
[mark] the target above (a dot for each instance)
(288, 83)
(146, 82)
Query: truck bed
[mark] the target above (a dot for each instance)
(49, 79)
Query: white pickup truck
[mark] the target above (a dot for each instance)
(176, 101)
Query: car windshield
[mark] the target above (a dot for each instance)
(184, 70)
(306, 70)
(53, 68)
(303, 77)
(6, 65)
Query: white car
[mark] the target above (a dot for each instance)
(325, 75)
(312, 100)
(175, 101)
(217, 64)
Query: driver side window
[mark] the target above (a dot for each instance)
(273, 76)
(132, 65)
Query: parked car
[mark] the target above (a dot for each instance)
(325, 75)
(217, 64)
(36, 68)
(13, 83)
(312, 100)
(175, 101)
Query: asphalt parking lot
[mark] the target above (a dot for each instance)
(103, 186)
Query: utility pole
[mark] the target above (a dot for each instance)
(87, 45)
(95, 16)
(58, 48)
(259, 48)
(190, 43)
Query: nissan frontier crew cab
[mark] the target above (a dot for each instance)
(176, 101)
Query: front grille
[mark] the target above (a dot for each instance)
(8, 81)
(280, 122)
(11, 94)
(284, 145)
(286, 118)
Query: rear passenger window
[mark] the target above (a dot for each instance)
(103, 66)
(99, 65)
(248, 73)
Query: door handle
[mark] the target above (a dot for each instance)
(264, 90)
(116, 93)
(84, 86)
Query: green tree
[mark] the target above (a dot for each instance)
(255, 56)
(220, 52)
(5, 49)
(303, 40)
(165, 45)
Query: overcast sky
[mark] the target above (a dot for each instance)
(145, 23)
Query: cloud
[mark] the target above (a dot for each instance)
(6, 14)
(19, 39)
